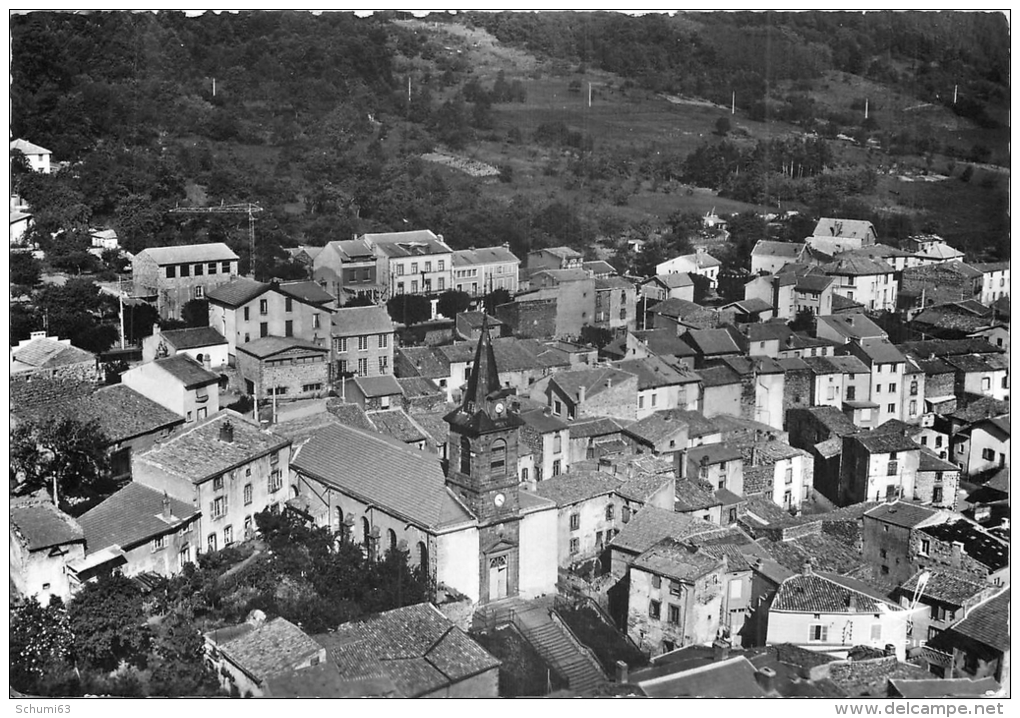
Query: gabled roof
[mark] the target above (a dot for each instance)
(711, 342)
(595, 426)
(424, 362)
(767, 331)
(305, 291)
(883, 443)
(675, 280)
(560, 252)
(187, 371)
(836, 227)
(237, 292)
(133, 516)
(483, 255)
(769, 248)
(853, 325)
(930, 461)
(378, 469)
(664, 342)
(267, 650)
(945, 584)
(422, 242)
(42, 525)
(563, 275)
(754, 365)
(653, 373)
(396, 423)
(594, 381)
(969, 363)
(355, 321)
(813, 283)
(576, 486)
(543, 422)
(192, 337)
(676, 560)
(853, 265)
(28, 148)
(657, 426)
(709, 454)
(902, 513)
(949, 347)
(986, 621)
(416, 647)
(48, 353)
(268, 346)
(882, 351)
(824, 592)
(940, 251)
(375, 386)
(189, 253)
(676, 308)
(614, 282)
(841, 304)
(732, 678)
(721, 375)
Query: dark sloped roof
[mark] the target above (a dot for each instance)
(853, 325)
(273, 648)
(305, 291)
(192, 337)
(945, 584)
(767, 247)
(47, 353)
(824, 592)
(594, 381)
(376, 468)
(417, 647)
(267, 346)
(986, 621)
(652, 372)
(711, 342)
(676, 560)
(978, 543)
(381, 385)
(190, 253)
(355, 321)
(855, 265)
(237, 292)
(187, 371)
(42, 525)
(132, 516)
(883, 443)
(597, 426)
(665, 342)
(697, 423)
(949, 347)
(901, 513)
(713, 454)
(397, 424)
(415, 386)
(657, 426)
(732, 678)
(576, 486)
(721, 375)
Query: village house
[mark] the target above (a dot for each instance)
(778, 471)
(481, 271)
(467, 326)
(667, 286)
(701, 262)
(615, 304)
(977, 644)
(877, 467)
(721, 391)
(762, 383)
(846, 328)
(872, 282)
(888, 374)
(245, 310)
(887, 531)
(559, 310)
(41, 356)
(660, 386)
(940, 282)
(284, 368)
(711, 345)
(170, 277)
(995, 280)
(896, 258)
(228, 468)
(603, 392)
(981, 375)
(21, 222)
(949, 595)
(938, 480)
(417, 650)
(362, 342)
(554, 258)
(983, 446)
(349, 269)
(416, 262)
(248, 656)
(544, 446)
(663, 432)
(833, 235)
(203, 344)
(42, 540)
(676, 597)
(373, 393)
(589, 509)
(38, 157)
(961, 544)
(769, 257)
(595, 438)
(137, 530)
(178, 383)
(750, 311)
(721, 465)
(663, 343)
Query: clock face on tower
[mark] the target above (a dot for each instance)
(500, 498)
(499, 407)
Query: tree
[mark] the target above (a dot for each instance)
(722, 126)
(108, 622)
(139, 318)
(494, 299)
(70, 452)
(702, 287)
(408, 309)
(39, 640)
(804, 321)
(195, 313)
(596, 336)
(453, 302)
(25, 269)
(179, 666)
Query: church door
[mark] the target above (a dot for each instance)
(497, 578)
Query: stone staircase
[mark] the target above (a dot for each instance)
(552, 640)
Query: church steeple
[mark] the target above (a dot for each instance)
(484, 379)
(484, 408)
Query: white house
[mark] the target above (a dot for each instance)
(701, 262)
(38, 157)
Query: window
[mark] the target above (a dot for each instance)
(988, 454)
(414, 267)
(524, 474)
(264, 329)
(818, 633)
(217, 483)
(363, 367)
(575, 522)
(851, 393)
(656, 582)
(428, 266)
(625, 514)
(925, 547)
(892, 388)
(199, 292)
(497, 457)
(185, 270)
(211, 542)
(442, 284)
(610, 512)
(673, 615)
(400, 270)
(211, 268)
(384, 340)
(159, 543)
(913, 388)
(556, 467)
(171, 272)
(830, 393)
(986, 383)
(913, 408)
(891, 408)
(247, 494)
(789, 475)
(575, 546)
(228, 535)
(263, 306)
(893, 468)
(655, 398)
(876, 631)
(384, 364)
(225, 267)
(311, 387)
(218, 507)
(557, 443)
(674, 588)
(341, 344)
(936, 495)
(247, 314)
(558, 407)
(640, 402)
(275, 481)
(598, 539)
(735, 588)
(199, 270)
(654, 609)
(440, 265)
(288, 328)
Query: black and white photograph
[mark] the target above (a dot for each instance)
(483, 354)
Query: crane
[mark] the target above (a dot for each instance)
(247, 208)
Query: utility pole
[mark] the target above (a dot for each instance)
(249, 208)
(865, 108)
(733, 104)
(589, 95)
(956, 90)
(214, 87)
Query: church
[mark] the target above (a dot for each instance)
(476, 529)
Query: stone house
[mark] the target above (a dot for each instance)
(284, 368)
(178, 383)
(667, 286)
(721, 465)
(531, 316)
(761, 389)
(941, 282)
(41, 356)
(872, 282)
(981, 375)
(615, 304)
(374, 393)
(601, 392)
(664, 432)
(777, 471)
(978, 645)
(948, 594)
(844, 233)
(544, 446)
(876, 467)
(711, 345)
(846, 328)
(887, 532)
(983, 446)
(170, 277)
(938, 480)
(555, 258)
(227, 467)
(660, 386)
(590, 512)
(43, 539)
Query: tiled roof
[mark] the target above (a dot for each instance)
(829, 553)
(650, 525)
(46, 353)
(978, 543)
(187, 371)
(986, 621)
(269, 649)
(613, 283)
(42, 525)
(265, 347)
(561, 252)
(813, 283)
(695, 495)
(198, 453)
(665, 342)
(853, 325)
(732, 678)
(767, 331)
(824, 592)
(576, 486)
(970, 363)
(697, 423)
(349, 414)
(769, 248)
(376, 468)
(902, 513)
(424, 362)
(854, 265)
(417, 647)
(541, 422)
(483, 255)
(237, 292)
(132, 516)
(397, 424)
(713, 454)
(676, 280)
(375, 386)
(599, 266)
(984, 408)
(754, 305)
(594, 381)
(740, 550)
(711, 342)
(676, 308)
(882, 351)
(768, 453)
(948, 347)
(944, 584)
(192, 337)
(721, 375)
(883, 443)
(189, 253)
(355, 321)
(748, 365)
(987, 267)
(416, 243)
(597, 426)
(652, 372)
(562, 275)
(305, 291)
(676, 560)
(930, 461)
(643, 486)
(837, 227)
(841, 303)
(944, 687)
(326, 681)
(416, 386)
(657, 426)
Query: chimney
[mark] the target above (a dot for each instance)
(766, 678)
(167, 514)
(227, 432)
(890, 649)
(957, 555)
(851, 602)
(808, 569)
(622, 672)
(720, 649)
(581, 394)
